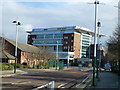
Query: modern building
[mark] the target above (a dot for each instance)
(69, 42)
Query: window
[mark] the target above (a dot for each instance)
(58, 35)
(71, 56)
(40, 36)
(72, 47)
(23, 53)
(49, 36)
(65, 37)
(65, 47)
(71, 40)
(28, 36)
(66, 42)
(45, 29)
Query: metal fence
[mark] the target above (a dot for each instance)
(50, 85)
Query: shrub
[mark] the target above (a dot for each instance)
(10, 66)
(6, 66)
(74, 64)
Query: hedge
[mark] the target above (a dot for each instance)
(10, 66)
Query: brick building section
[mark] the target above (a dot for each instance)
(29, 58)
(25, 53)
(69, 40)
(11, 49)
(22, 56)
(73, 44)
(77, 45)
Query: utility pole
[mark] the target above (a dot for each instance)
(57, 51)
(68, 58)
(95, 33)
(56, 54)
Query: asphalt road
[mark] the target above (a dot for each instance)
(35, 78)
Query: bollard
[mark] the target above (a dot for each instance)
(80, 67)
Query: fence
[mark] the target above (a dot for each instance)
(50, 85)
(59, 64)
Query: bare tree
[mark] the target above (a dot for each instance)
(114, 47)
(44, 56)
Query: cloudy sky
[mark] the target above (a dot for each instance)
(52, 13)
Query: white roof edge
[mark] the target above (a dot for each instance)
(86, 29)
(55, 27)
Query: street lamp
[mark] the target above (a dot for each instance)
(57, 54)
(68, 58)
(17, 24)
(95, 32)
(98, 49)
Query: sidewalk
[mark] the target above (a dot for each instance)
(108, 80)
(8, 73)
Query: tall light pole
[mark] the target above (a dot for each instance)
(17, 24)
(98, 49)
(56, 54)
(68, 58)
(57, 51)
(95, 33)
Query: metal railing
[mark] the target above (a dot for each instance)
(50, 85)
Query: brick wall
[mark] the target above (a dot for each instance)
(77, 45)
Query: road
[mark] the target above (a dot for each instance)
(35, 78)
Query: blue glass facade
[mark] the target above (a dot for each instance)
(86, 39)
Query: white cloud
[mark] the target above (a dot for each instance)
(80, 14)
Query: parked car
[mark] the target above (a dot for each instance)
(107, 67)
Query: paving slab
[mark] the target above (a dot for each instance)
(108, 80)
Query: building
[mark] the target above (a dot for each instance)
(7, 58)
(69, 42)
(26, 53)
(100, 54)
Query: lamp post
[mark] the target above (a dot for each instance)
(98, 50)
(17, 24)
(68, 58)
(56, 54)
(95, 32)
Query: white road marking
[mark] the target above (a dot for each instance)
(21, 82)
(61, 85)
(82, 81)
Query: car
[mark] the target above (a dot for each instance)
(107, 67)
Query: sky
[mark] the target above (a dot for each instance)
(53, 13)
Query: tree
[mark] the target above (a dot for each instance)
(45, 56)
(114, 47)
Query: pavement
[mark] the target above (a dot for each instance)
(8, 73)
(107, 80)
